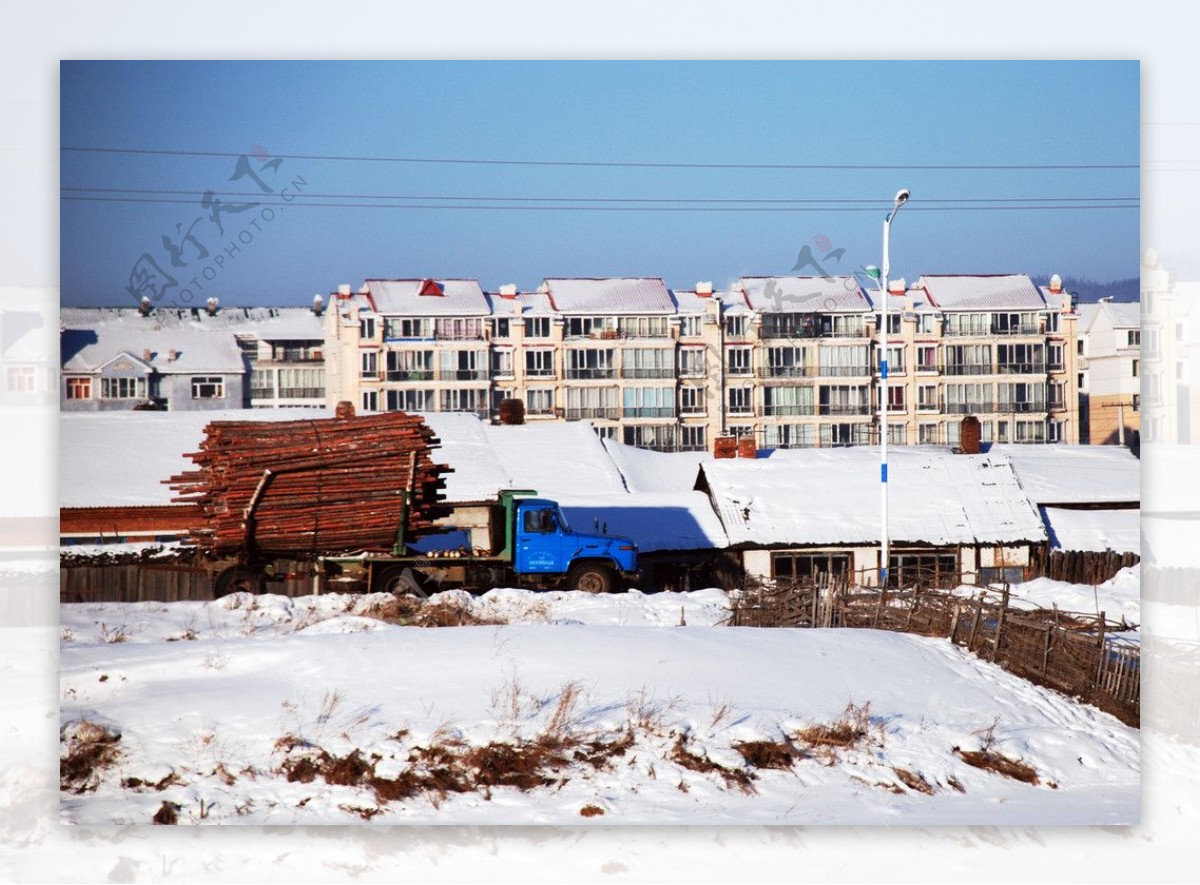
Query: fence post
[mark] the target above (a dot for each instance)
(975, 623)
(879, 607)
(954, 621)
(1100, 649)
(1000, 624)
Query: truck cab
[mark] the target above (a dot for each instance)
(545, 545)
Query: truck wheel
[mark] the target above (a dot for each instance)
(592, 578)
(400, 580)
(237, 579)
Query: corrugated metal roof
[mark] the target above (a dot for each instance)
(610, 296)
(442, 298)
(805, 294)
(983, 292)
(831, 496)
(1125, 315)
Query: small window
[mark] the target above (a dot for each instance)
(208, 387)
(540, 522)
(79, 388)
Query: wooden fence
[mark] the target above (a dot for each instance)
(1071, 652)
(1080, 567)
(159, 582)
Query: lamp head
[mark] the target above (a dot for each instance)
(901, 198)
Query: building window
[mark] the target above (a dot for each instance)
(785, 436)
(410, 400)
(691, 400)
(927, 434)
(588, 364)
(23, 379)
(464, 401)
(1081, 381)
(735, 326)
(737, 431)
(894, 320)
(1134, 368)
(691, 362)
(1022, 397)
(500, 327)
(1055, 356)
(262, 384)
(1001, 431)
(605, 431)
(808, 567)
(123, 388)
(463, 365)
(1133, 338)
(927, 398)
(502, 363)
(651, 436)
(929, 569)
(953, 433)
(845, 434)
(643, 327)
(844, 399)
(897, 435)
(539, 363)
(369, 364)
(366, 327)
(208, 387)
(591, 327)
(1021, 359)
(843, 361)
(1079, 346)
(689, 326)
(370, 401)
(537, 327)
(410, 365)
(1057, 430)
(408, 328)
(1137, 402)
(301, 383)
(539, 401)
(79, 388)
(593, 402)
(978, 324)
(1058, 395)
(1052, 321)
(459, 329)
(895, 360)
(969, 359)
(741, 401)
(738, 360)
(896, 399)
(1030, 431)
(693, 438)
(788, 401)
(645, 362)
(648, 402)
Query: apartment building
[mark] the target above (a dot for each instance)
(1170, 344)
(792, 361)
(1109, 376)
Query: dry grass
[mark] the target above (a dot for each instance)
(1000, 764)
(768, 754)
(733, 777)
(88, 748)
(591, 811)
(914, 781)
(167, 814)
(852, 728)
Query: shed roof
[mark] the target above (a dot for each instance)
(1094, 530)
(1073, 474)
(195, 348)
(831, 496)
(982, 291)
(609, 295)
(805, 294)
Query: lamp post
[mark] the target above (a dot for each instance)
(882, 281)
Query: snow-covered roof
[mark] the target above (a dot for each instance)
(804, 294)
(267, 323)
(1124, 314)
(555, 458)
(645, 470)
(420, 298)
(1094, 530)
(690, 302)
(1071, 474)
(183, 349)
(477, 473)
(982, 292)
(607, 296)
(831, 496)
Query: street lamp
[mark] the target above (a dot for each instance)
(881, 279)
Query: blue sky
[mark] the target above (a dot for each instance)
(869, 114)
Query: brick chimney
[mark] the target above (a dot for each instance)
(746, 447)
(344, 409)
(725, 447)
(969, 444)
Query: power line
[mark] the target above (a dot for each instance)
(535, 208)
(609, 164)
(831, 200)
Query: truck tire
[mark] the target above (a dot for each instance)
(400, 580)
(592, 577)
(237, 579)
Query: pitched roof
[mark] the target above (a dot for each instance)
(195, 349)
(607, 296)
(982, 291)
(1071, 474)
(1094, 530)
(831, 496)
(804, 294)
(428, 297)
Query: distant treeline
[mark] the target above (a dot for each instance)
(1093, 290)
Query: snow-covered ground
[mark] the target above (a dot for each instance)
(643, 701)
(1119, 597)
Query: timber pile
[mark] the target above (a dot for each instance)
(317, 486)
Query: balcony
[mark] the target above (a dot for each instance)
(301, 392)
(262, 393)
(608, 413)
(968, 369)
(539, 372)
(409, 375)
(973, 408)
(852, 371)
(844, 409)
(592, 374)
(1019, 329)
(649, 411)
(741, 371)
(463, 375)
(1021, 368)
(786, 371)
(788, 410)
(1026, 407)
(464, 335)
(632, 372)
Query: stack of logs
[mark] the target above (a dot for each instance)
(313, 486)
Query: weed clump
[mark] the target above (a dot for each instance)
(87, 749)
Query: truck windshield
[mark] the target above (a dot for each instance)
(562, 521)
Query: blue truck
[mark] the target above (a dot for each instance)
(530, 544)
